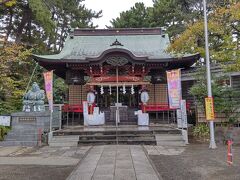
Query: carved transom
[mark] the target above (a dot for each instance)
(117, 60)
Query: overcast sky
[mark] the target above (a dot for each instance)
(111, 9)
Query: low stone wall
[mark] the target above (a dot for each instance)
(33, 120)
(25, 128)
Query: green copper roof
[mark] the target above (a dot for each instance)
(82, 47)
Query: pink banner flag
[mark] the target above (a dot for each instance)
(48, 78)
(174, 88)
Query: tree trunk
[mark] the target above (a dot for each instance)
(24, 20)
(9, 27)
(61, 38)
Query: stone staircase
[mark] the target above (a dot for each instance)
(170, 139)
(161, 137)
(61, 141)
(82, 138)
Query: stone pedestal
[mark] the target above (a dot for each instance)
(97, 118)
(33, 120)
(26, 128)
(143, 118)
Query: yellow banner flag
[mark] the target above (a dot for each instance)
(209, 108)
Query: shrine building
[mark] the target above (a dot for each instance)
(102, 60)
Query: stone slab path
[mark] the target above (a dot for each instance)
(164, 150)
(52, 156)
(115, 162)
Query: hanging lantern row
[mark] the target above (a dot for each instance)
(101, 90)
(132, 89)
(110, 89)
(124, 89)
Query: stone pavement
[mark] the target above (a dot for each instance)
(58, 156)
(118, 162)
(164, 150)
(107, 162)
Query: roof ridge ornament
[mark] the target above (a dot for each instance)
(116, 43)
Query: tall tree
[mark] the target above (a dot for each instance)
(173, 15)
(37, 26)
(15, 69)
(224, 33)
(44, 22)
(136, 17)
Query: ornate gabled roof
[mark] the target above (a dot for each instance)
(90, 45)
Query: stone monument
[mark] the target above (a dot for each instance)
(29, 125)
(33, 100)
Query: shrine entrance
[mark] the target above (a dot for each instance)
(109, 96)
(100, 60)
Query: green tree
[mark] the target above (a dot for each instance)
(44, 23)
(173, 15)
(224, 31)
(136, 17)
(8, 3)
(35, 26)
(15, 68)
(226, 98)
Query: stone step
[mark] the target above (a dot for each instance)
(169, 137)
(65, 138)
(63, 144)
(167, 131)
(110, 123)
(104, 142)
(18, 143)
(171, 143)
(121, 136)
(122, 122)
(109, 132)
(64, 141)
(175, 140)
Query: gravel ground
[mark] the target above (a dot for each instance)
(198, 162)
(27, 172)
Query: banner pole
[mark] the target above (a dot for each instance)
(51, 118)
(48, 78)
(212, 144)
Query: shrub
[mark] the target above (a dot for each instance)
(201, 131)
(3, 131)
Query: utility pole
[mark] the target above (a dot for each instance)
(209, 86)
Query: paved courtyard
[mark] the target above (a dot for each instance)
(46, 163)
(118, 162)
(125, 162)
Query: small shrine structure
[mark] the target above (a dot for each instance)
(119, 61)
